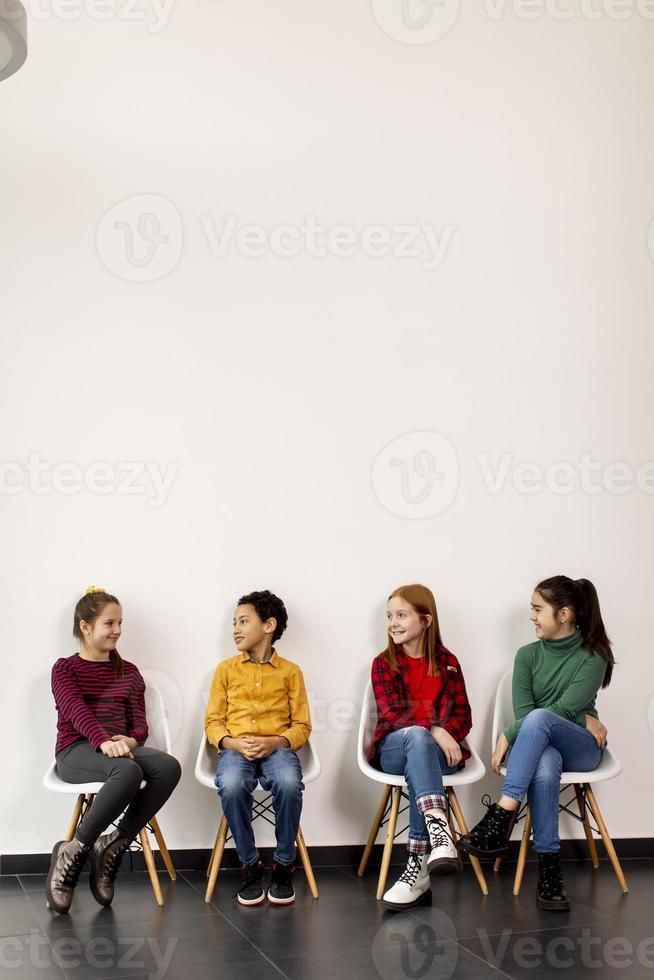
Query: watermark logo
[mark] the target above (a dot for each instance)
(426, 21)
(36, 953)
(145, 478)
(406, 947)
(317, 240)
(140, 239)
(415, 21)
(416, 475)
(155, 14)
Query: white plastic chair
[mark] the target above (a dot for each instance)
(158, 738)
(608, 768)
(473, 771)
(205, 773)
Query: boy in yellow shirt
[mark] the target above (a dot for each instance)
(257, 717)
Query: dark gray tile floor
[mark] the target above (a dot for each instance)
(344, 934)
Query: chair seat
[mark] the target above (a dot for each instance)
(473, 771)
(608, 768)
(54, 782)
(205, 766)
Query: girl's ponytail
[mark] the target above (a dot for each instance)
(581, 596)
(88, 608)
(591, 624)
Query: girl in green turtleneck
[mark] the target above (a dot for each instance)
(556, 728)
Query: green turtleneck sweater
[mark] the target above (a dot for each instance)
(559, 675)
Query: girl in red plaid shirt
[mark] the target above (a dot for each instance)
(423, 715)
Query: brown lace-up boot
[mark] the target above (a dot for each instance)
(68, 859)
(106, 855)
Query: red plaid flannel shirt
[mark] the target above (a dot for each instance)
(451, 709)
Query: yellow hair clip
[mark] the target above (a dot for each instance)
(93, 588)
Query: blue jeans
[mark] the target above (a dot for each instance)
(413, 753)
(546, 746)
(279, 773)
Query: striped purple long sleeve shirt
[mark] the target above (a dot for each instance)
(93, 704)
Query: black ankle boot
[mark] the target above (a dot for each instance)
(490, 837)
(550, 891)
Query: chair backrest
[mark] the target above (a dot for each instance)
(367, 726)
(157, 717)
(503, 711)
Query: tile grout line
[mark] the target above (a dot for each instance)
(235, 928)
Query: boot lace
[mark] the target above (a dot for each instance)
(439, 834)
(412, 870)
(112, 861)
(73, 864)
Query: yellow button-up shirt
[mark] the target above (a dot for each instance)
(249, 698)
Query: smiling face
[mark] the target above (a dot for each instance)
(403, 622)
(103, 633)
(550, 625)
(249, 630)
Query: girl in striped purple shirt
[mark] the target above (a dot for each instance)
(101, 734)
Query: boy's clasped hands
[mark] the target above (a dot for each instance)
(255, 746)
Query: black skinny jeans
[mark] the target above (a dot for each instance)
(80, 763)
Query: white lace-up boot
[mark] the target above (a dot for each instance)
(442, 858)
(412, 888)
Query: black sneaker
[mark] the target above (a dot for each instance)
(280, 890)
(251, 891)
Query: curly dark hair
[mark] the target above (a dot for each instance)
(267, 606)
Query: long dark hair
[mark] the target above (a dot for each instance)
(88, 608)
(431, 645)
(580, 595)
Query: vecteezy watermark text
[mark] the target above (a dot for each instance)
(99, 953)
(41, 476)
(317, 240)
(141, 239)
(417, 475)
(155, 14)
(426, 21)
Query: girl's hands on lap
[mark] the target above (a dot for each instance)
(117, 747)
(597, 730)
(499, 754)
(449, 745)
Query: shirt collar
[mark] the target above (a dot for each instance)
(274, 658)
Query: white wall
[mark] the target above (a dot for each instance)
(274, 382)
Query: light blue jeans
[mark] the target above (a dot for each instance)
(546, 746)
(413, 753)
(279, 773)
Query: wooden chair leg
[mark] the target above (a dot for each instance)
(498, 861)
(390, 837)
(522, 856)
(463, 827)
(215, 845)
(450, 821)
(608, 843)
(306, 863)
(149, 862)
(374, 830)
(217, 857)
(163, 850)
(74, 820)
(581, 803)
